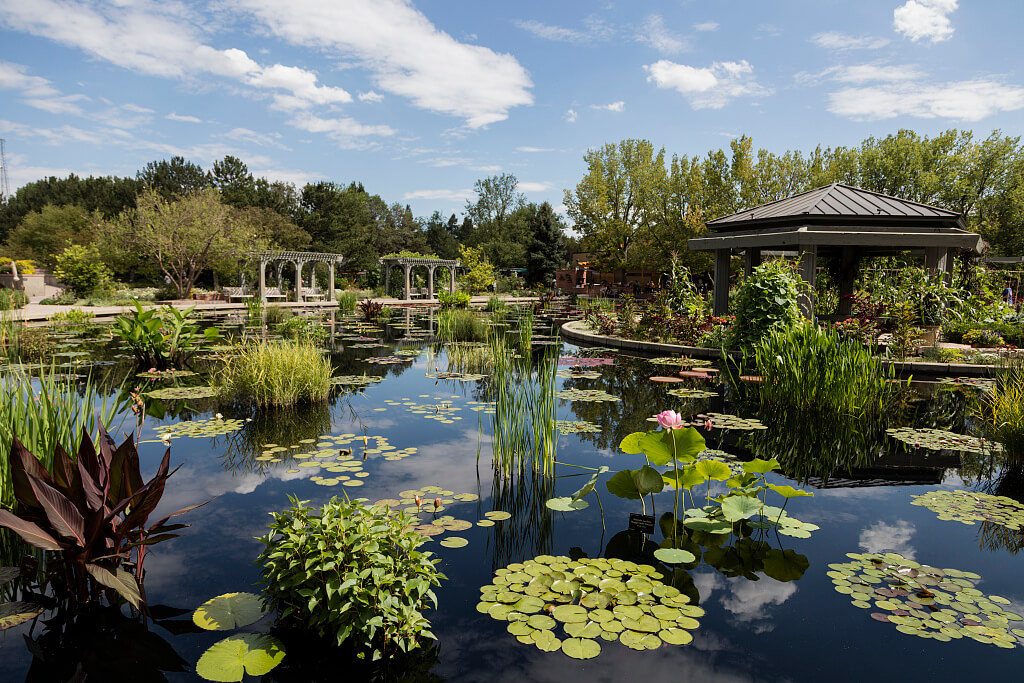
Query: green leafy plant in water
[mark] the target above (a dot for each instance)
(456, 300)
(347, 301)
(371, 310)
(767, 301)
(276, 374)
(349, 573)
(94, 510)
(162, 338)
(1002, 409)
(302, 329)
(254, 310)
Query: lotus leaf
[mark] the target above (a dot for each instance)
(566, 504)
(712, 470)
(230, 659)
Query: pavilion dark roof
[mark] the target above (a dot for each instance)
(835, 204)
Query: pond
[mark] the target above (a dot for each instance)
(769, 606)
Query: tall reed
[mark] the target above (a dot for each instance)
(347, 301)
(55, 409)
(810, 369)
(455, 324)
(1002, 409)
(276, 374)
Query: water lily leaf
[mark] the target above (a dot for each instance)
(739, 506)
(789, 491)
(581, 648)
(674, 555)
(713, 469)
(759, 466)
(245, 653)
(675, 636)
(228, 611)
(569, 613)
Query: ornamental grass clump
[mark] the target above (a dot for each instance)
(811, 369)
(277, 373)
(349, 573)
(460, 325)
(1002, 409)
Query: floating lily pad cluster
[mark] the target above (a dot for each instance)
(556, 603)
(735, 466)
(939, 439)
(976, 382)
(366, 345)
(682, 362)
(691, 393)
(355, 380)
(461, 376)
(442, 411)
(232, 658)
(199, 428)
(576, 427)
(578, 374)
(726, 421)
(588, 362)
(183, 393)
(925, 601)
(433, 500)
(168, 374)
(969, 507)
(587, 395)
(387, 360)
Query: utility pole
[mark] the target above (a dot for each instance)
(5, 185)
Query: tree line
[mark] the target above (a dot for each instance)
(134, 222)
(635, 207)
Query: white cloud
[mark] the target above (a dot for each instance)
(881, 537)
(14, 77)
(613, 106)
(65, 104)
(343, 130)
(158, 39)
(750, 600)
(834, 40)
(446, 195)
(486, 169)
(137, 109)
(252, 137)
(370, 96)
(866, 73)
(535, 187)
(405, 53)
(707, 87)
(297, 178)
(963, 100)
(184, 118)
(927, 19)
(706, 26)
(654, 33)
(532, 150)
(571, 116)
(548, 32)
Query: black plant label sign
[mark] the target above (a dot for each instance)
(641, 523)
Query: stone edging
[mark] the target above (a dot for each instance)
(573, 331)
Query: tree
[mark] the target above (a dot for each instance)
(231, 176)
(41, 235)
(547, 247)
(440, 239)
(109, 195)
(500, 218)
(174, 178)
(185, 237)
(81, 270)
(479, 274)
(341, 220)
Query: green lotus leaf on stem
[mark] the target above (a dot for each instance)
(789, 491)
(739, 506)
(631, 443)
(759, 466)
(712, 470)
(229, 660)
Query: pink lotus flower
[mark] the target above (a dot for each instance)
(670, 419)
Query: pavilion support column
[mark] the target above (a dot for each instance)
(849, 264)
(387, 280)
(263, 281)
(430, 282)
(330, 282)
(451, 277)
(298, 281)
(751, 260)
(278, 269)
(808, 267)
(933, 257)
(721, 300)
(948, 267)
(407, 294)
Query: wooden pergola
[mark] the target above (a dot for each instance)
(409, 263)
(838, 221)
(299, 259)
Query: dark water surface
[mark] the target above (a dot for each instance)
(756, 628)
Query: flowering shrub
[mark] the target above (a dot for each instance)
(983, 338)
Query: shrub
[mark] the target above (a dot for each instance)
(347, 301)
(74, 317)
(162, 338)
(11, 299)
(82, 271)
(371, 309)
(816, 370)
(983, 338)
(275, 315)
(766, 301)
(276, 374)
(460, 325)
(349, 573)
(479, 274)
(456, 300)
(65, 298)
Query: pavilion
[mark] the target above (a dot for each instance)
(409, 264)
(278, 259)
(835, 221)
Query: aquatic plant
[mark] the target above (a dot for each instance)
(162, 338)
(93, 509)
(254, 310)
(925, 601)
(276, 374)
(302, 329)
(810, 369)
(765, 302)
(458, 325)
(55, 413)
(496, 305)
(1002, 409)
(276, 314)
(371, 310)
(970, 507)
(349, 573)
(230, 659)
(73, 317)
(456, 300)
(611, 599)
(347, 301)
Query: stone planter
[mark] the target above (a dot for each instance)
(929, 334)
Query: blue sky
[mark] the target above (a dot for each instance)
(419, 98)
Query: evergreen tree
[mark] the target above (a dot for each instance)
(546, 251)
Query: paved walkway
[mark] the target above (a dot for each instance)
(36, 312)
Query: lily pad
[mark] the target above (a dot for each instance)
(231, 659)
(581, 648)
(969, 507)
(674, 555)
(228, 611)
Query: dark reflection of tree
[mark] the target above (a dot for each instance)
(315, 660)
(283, 426)
(528, 532)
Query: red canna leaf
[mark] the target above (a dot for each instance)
(62, 514)
(182, 511)
(25, 466)
(94, 498)
(32, 533)
(118, 579)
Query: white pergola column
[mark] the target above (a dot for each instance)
(330, 281)
(263, 281)
(407, 295)
(298, 280)
(430, 281)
